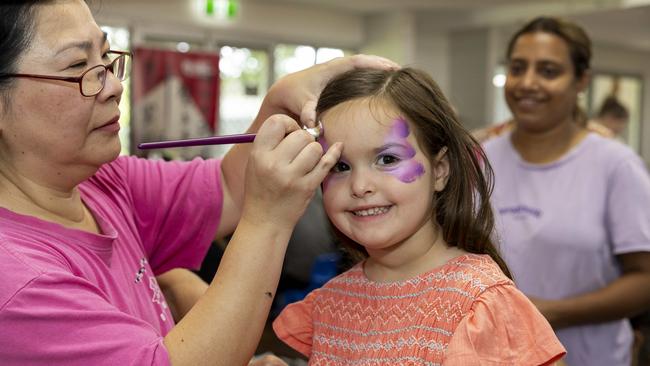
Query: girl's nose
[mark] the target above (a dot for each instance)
(362, 184)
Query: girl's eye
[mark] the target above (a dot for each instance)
(387, 160)
(340, 167)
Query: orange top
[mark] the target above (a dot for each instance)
(466, 312)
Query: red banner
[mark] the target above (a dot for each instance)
(175, 96)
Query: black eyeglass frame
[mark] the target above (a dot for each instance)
(78, 79)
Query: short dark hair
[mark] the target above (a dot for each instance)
(612, 107)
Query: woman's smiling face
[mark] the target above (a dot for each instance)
(541, 87)
(381, 191)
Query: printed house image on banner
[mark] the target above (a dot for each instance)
(175, 96)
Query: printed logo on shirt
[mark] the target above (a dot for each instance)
(158, 297)
(521, 211)
(141, 271)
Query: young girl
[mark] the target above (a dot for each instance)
(411, 194)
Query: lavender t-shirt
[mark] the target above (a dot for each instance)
(562, 224)
(76, 298)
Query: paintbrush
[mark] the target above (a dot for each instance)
(218, 140)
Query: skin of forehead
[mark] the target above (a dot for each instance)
(381, 112)
(63, 23)
(541, 46)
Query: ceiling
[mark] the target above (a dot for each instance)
(622, 22)
(373, 6)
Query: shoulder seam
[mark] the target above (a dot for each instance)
(32, 280)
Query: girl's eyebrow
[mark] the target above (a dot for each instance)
(389, 146)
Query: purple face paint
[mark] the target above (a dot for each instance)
(409, 169)
(325, 145)
(400, 130)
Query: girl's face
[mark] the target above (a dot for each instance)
(541, 88)
(380, 193)
(51, 130)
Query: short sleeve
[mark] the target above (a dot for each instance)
(294, 325)
(60, 319)
(503, 328)
(628, 201)
(176, 206)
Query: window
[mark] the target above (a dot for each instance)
(244, 81)
(292, 58)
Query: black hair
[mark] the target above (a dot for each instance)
(17, 27)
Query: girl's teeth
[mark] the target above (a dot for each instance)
(372, 211)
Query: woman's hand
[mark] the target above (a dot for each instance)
(283, 173)
(296, 94)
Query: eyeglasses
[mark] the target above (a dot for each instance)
(92, 81)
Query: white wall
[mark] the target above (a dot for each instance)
(432, 51)
(257, 22)
(469, 75)
(391, 35)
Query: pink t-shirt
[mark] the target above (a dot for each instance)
(77, 298)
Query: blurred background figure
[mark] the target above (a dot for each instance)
(612, 115)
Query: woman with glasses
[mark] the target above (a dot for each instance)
(83, 232)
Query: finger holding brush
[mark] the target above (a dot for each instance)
(285, 167)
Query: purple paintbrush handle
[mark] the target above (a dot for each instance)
(214, 140)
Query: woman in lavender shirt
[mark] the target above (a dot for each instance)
(573, 208)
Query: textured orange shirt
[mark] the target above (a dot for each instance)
(466, 312)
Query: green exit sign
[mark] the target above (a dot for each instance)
(223, 9)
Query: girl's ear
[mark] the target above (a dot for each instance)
(440, 170)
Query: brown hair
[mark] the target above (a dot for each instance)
(576, 39)
(463, 208)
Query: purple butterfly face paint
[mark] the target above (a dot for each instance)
(325, 145)
(408, 169)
